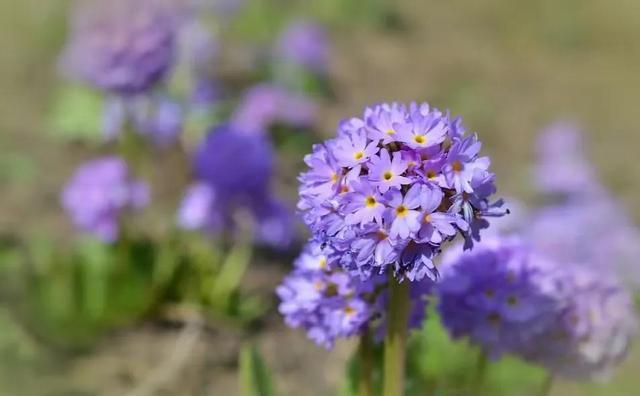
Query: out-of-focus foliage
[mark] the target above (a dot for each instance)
(254, 376)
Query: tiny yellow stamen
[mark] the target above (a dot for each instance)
(387, 175)
(494, 319)
(401, 211)
(420, 139)
(358, 155)
(334, 177)
(431, 174)
(457, 166)
(390, 131)
(427, 218)
(349, 311)
(322, 263)
(370, 201)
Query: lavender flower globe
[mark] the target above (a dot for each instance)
(592, 333)
(499, 295)
(122, 47)
(393, 186)
(233, 173)
(304, 44)
(99, 194)
(329, 304)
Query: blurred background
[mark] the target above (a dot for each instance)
(168, 304)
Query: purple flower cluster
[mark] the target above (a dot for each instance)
(587, 225)
(233, 175)
(156, 117)
(304, 44)
(122, 47)
(98, 194)
(500, 295)
(265, 105)
(393, 186)
(592, 332)
(329, 304)
(508, 298)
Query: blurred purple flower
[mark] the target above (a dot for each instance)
(122, 47)
(197, 211)
(99, 193)
(304, 44)
(595, 232)
(264, 105)
(592, 333)
(500, 295)
(233, 172)
(156, 117)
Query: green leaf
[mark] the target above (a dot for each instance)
(231, 273)
(255, 379)
(76, 114)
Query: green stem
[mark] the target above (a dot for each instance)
(545, 389)
(396, 338)
(480, 373)
(365, 352)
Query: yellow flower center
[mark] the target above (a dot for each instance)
(494, 319)
(381, 235)
(427, 218)
(322, 263)
(334, 177)
(358, 155)
(390, 132)
(457, 166)
(318, 285)
(348, 310)
(401, 211)
(387, 175)
(370, 201)
(431, 174)
(420, 139)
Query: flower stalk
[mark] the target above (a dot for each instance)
(396, 338)
(365, 354)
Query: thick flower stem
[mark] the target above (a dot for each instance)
(545, 389)
(396, 339)
(480, 373)
(365, 354)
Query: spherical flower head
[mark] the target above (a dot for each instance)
(99, 193)
(266, 105)
(393, 186)
(592, 333)
(122, 47)
(305, 44)
(499, 295)
(234, 163)
(329, 304)
(233, 172)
